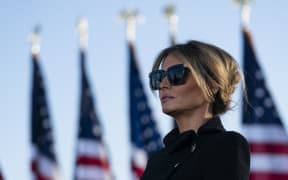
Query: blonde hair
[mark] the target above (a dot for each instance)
(215, 71)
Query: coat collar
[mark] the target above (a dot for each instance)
(212, 125)
(175, 140)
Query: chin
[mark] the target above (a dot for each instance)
(169, 111)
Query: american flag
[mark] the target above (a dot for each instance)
(144, 135)
(43, 164)
(262, 124)
(91, 154)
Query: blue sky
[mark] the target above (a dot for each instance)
(216, 22)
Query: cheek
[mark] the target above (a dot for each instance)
(191, 92)
(191, 87)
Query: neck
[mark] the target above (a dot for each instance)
(192, 120)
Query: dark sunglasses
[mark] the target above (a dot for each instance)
(176, 75)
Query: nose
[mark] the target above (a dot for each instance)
(164, 83)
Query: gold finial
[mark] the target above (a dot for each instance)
(245, 10)
(131, 17)
(34, 39)
(169, 12)
(82, 28)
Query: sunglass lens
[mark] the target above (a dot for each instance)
(176, 75)
(156, 78)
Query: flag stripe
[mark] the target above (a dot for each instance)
(138, 171)
(43, 166)
(139, 157)
(267, 176)
(37, 173)
(92, 173)
(269, 148)
(265, 133)
(269, 162)
(90, 147)
(93, 162)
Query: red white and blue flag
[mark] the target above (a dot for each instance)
(43, 164)
(91, 155)
(262, 123)
(144, 134)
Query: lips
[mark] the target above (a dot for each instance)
(166, 98)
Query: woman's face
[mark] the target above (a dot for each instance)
(179, 99)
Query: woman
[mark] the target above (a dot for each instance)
(195, 82)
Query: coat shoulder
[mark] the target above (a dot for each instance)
(235, 137)
(226, 138)
(227, 143)
(229, 148)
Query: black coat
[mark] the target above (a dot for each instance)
(211, 154)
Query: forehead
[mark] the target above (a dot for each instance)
(171, 60)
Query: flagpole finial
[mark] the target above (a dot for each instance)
(169, 12)
(82, 28)
(245, 11)
(34, 39)
(131, 17)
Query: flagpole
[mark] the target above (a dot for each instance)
(169, 12)
(82, 28)
(130, 17)
(245, 11)
(34, 39)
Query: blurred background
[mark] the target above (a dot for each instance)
(216, 22)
